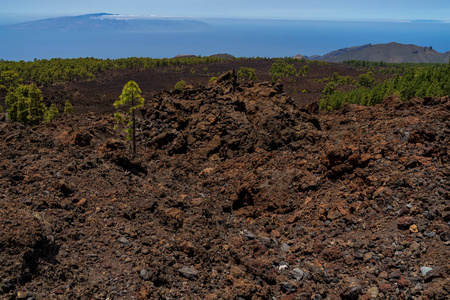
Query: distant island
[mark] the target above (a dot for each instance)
(426, 21)
(112, 22)
(392, 53)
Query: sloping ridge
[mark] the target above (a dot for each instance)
(105, 21)
(391, 52)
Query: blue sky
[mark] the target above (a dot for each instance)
(383, 10)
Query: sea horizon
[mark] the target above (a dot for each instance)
(238, 37)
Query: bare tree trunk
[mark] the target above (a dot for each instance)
(134, 126)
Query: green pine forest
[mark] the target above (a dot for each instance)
(408, 81)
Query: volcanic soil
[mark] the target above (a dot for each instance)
(238, 190)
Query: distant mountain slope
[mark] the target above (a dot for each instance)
(104, 21)
(392, 52)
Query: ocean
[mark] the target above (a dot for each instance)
(241, 38)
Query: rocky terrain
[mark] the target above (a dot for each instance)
(236, 192)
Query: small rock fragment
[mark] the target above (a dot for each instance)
(123, 240)
(283, 265)
(403, 282)
(189, 273)
(425, 270)
(285, 247)
(396, 274)
(429, 234)
(297, 274)
(353, 289)
(144, 274)
(288, 286)
(445, 236)
(58, 291)
(432, 275)
(385, 287)
(373, 292)
(404, 222)
(413, 228)
(247, 234)
(22, 295)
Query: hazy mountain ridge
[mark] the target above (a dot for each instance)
(391, 52)
(105, 21)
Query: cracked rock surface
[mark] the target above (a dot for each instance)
(236, 192)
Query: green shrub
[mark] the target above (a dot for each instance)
(51, 114)
(24, 105)
(281, 69)
(68, 107)
(335, 77)
(366, 80)
(9, 79)
(247, 74)
(212, 79)
(304, 71)
(328, 91)
(180, 85)
(346, 80)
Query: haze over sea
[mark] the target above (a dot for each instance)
(249, 38)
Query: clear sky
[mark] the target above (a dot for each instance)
(24, 10)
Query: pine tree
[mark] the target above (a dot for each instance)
(68, 108)
(25, 105)
(51, 113)
(247, 73)
(131, 94)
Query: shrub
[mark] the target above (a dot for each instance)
(281, 69)
(68, 107)
(24, 105)
(51, 114)
(304, 71)
(247, 73)
(335, 77)
(212, 79)
(366, 80)
(180, 85)
(327, 93)
(9, 79)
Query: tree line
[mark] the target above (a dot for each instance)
(417, 81)
(45, 72)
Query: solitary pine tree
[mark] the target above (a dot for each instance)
(68, 107)
(131, 95)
